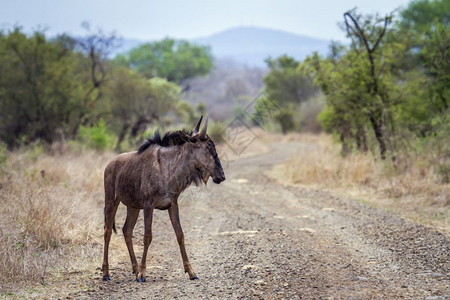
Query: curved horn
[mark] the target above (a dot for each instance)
(205, 126)
(197, 126)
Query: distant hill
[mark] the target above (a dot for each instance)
(251, 45)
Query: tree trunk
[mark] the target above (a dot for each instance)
(345, 136)
(361, 140)
(140, 123)
(378, 128)
(122, 134)
(283, 129)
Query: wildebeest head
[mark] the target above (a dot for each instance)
(206, 159)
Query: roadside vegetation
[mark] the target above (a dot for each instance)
(416, 193)
(387, 92)
(386, 98)
(51, 213)
(55, 87)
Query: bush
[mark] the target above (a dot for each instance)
(436, 147)
(309, 112)
(97, 136)
(216, 131)
(3, 155)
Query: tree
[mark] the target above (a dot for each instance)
(137, 102)
(42, 95)
(427, 115)
(287, 85)
(427, 23)
(174, 60)
(288, 82)
(361, 85)
(339, 78)
(436, 59)
(367, 35)
(421, 13)
(97, 47)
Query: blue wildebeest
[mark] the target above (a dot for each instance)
(154, 177)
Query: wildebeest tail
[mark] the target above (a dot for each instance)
(114, 222)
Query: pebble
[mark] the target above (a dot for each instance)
(247, 267)
(310, 230)
(362, 278)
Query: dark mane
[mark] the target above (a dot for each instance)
(171, 138)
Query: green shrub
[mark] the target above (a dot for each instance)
(309, 112)
(3, 155)
(34, 150)
(97, 136)
(216, 131)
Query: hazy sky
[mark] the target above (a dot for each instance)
(150, 19)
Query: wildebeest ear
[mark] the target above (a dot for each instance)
(197, 126)
(202, 134)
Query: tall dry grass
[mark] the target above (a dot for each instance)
(414, 190)
(50, 208)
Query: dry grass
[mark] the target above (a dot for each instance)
(323, 166)
(415, 192)
(51, 211)
(50, 208)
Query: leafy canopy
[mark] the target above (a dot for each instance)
(171, 59)
(421, 13)
(44, 92)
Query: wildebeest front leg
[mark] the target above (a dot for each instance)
(175, 219)
(148, 216)
(130, 222)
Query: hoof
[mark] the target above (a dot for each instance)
(141, 279)
(194, 277)
(106, 278)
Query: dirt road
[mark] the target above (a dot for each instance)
(251, 237)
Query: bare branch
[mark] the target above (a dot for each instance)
(359, 32)
(386, 20)
(98, 46)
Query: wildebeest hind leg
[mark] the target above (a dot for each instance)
(130, 222)
(110, 213)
